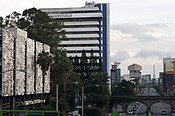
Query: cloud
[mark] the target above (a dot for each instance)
(145, 33)
(157, 25)
(144, 54)
(120, 56)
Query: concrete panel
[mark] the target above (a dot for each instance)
(47, 77)
(30, 67)
(20, 62)
(39, 77)
(7, 62)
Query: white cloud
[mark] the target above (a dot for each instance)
(128, 47)
(120, 56)
(144, 54)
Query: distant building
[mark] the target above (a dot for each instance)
(146, 78)
(161, 82)
(86, 28)
(21, 79)
(126, 77)
(135, 72)
(115, 73)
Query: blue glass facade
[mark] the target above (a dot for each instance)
(105, 36)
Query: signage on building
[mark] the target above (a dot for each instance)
(168, 65)
(61, 15)
(169, 70)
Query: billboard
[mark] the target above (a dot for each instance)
(168, 65)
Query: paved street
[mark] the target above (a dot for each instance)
(139, 109)
(157, 109)
(160, 107)
(136, 108)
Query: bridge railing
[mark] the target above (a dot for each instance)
(29, 113)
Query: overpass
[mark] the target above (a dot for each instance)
(124, 101)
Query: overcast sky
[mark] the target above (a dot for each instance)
(142, 31)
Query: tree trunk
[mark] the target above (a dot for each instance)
(43, 87)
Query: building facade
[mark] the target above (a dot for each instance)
(21, 78)
(146, 79)
(135, 72)
(86, 28)
(169, 76)
(126, 77)
(115, 73)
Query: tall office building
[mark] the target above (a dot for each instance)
(86, 28)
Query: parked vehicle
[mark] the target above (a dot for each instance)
(163, 112)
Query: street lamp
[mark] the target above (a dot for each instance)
(83, 96)
(58, 93)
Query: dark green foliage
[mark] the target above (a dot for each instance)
(94, 112)
(88, 68)
(123, 89)
(40, 27)
(1, 22)
(91, 73)
(38, 24)
(62, 72)
(44, 60)
(12, 19)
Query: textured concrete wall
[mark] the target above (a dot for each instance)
(21, 39)
(47, 77)
(30, 66)
(39, 77)
(25, 59)
(7, 63)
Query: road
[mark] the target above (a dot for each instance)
(160, 108)
(157, 109)
(139, 109)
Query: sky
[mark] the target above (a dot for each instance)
(141, 31)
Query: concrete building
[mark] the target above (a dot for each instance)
(21, 80)
(146, 79)
(135, 72)
(126, 77)
(115, 73)
(86, 28)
